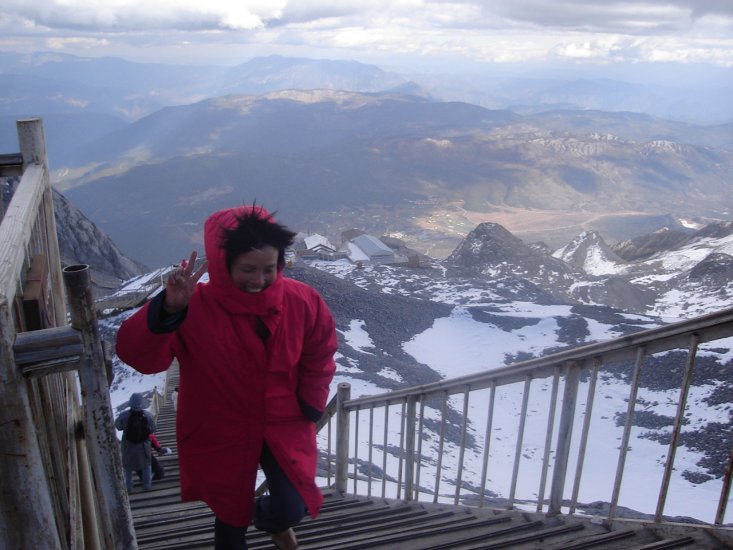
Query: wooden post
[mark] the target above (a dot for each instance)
(26, 509)
(343, 394)
(27, 517)
(101, 436)
(32, 141)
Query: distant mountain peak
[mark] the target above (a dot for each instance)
(590, 252)
(491, 250)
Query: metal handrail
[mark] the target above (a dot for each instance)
(409, 464)
(708, 327)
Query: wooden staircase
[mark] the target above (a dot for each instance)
(352, 522)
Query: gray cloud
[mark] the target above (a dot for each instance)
(498, 31)
(617, 16)
(647, 17)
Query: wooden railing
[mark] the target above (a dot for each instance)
(59, 457)
(381, 440)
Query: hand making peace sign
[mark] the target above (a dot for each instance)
(181, 283)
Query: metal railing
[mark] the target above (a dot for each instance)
(413, 442)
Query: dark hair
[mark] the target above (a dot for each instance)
(252, 232)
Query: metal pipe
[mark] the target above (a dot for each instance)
(343, 394)
(462, 448)
(419, 449)
(384, 450)
(564, 435)
(520, 440)
(725, 491)
(356, 449)
(585, 431)
(410, 422)
(677, 429)
(371, 446)
(329, 451)
(487, 444)
(548, 438)
(401, 456)
(627, 432)
(441, 442)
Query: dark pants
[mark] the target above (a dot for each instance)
(281, 509)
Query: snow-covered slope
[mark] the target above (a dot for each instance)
(402, 327)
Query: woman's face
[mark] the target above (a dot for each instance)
(255, 270)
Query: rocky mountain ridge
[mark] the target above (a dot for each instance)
(139, 87)
(83, 242)
(679, 278)
(390, 163)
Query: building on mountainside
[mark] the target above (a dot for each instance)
(356, 245)
(368, 249)
(350, 234)
(317, 246)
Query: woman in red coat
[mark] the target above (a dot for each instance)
(255, 351)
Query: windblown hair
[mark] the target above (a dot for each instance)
(254, 231)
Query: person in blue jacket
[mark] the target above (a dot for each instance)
(136, 456)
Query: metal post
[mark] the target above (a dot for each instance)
(343, 394)
(677, 430)
(564, 434)
(520, 440)
(725, 491)
(410, 422)
(487, 443)
(584, 432)
(100, 433)
(624, 447)
(548, 439)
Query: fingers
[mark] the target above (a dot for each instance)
(175, 279)
(184, 273)
(200, 271)
(188, 266)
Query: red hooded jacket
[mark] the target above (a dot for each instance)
(235, 390)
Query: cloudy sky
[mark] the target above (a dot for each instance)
(420, 32)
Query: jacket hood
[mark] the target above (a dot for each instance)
(220, 281)
(136, 401)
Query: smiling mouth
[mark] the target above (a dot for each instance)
(255, 289)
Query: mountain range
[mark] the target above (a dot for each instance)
(548, 214)
(423, 170)
(148, 151)
(55, 80)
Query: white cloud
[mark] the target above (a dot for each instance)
(132, 15)
(503, 31)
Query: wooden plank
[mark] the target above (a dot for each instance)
(11, 165)
(16, 227)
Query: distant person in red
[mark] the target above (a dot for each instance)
(256, 359)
